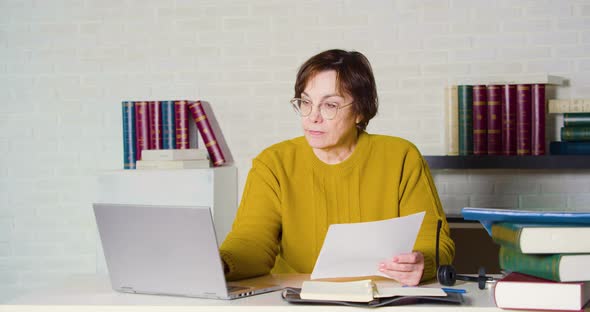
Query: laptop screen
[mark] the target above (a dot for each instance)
(161, 249)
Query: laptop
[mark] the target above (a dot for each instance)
(165, 250)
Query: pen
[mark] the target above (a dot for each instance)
(454, 290)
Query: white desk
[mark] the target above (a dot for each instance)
(94, 293)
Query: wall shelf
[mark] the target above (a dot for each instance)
(509, 162)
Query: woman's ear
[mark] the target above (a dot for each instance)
(358, 119)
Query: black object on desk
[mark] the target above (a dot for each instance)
(446, 274)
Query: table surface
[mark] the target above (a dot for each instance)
(94, 293)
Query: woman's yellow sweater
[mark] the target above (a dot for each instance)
(291, 198)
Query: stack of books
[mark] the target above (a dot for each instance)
(575, 133)
(546, 256)
(497, 118)
(174, 159)
(164, 125)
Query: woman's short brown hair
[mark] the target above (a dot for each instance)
(354, 77)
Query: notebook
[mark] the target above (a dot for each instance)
(165, 250)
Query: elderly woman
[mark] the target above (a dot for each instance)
(335, 173)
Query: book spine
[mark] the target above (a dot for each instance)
(142, 130)
(576, 120)
(543, 266)
(509, 120)
(523, 119)
(452, 121)
(494, 97)
(168, 125)
(129, 148)
(155, 124)
(569, 148)
(465, 96)
(538, 120)
(480, 120)
(181, 122)
(575, 133)
(505, 234)
(209, 138)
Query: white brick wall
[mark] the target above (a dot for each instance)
(65, 66)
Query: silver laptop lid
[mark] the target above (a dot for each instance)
(161, 250)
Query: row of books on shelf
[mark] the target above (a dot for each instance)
(510, 119)
(156, 136)
(546, 255)
(505, 119)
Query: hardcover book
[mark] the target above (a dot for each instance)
(173, 164)
(509, 120)
(555, 267)
(155, 124)
(576, 119)
(538, 120)
(523, 119)
(452, 120)
(494, 100)
(480, 120)
(181, 118)
(465, 95)
(176, 154)
(520, 291)
(575, 133)
(129, 148)
(207, 133)
(569, 106)
(569, 148)
(142, 130)
(542, 238)
(168, 125)
(489, 216)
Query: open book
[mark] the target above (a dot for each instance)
(365, 293)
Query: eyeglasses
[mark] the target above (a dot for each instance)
(328, 110)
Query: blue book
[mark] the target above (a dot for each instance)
(168, 125)
(129, 148)
(569, 148)
(489, 216)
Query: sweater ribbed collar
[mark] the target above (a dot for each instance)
(360, 151)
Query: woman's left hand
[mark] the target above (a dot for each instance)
(405, 268)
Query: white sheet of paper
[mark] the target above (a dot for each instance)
(355, 249)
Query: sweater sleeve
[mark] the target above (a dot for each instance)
(252, 245)
(418, 193)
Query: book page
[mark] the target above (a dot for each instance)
(355, 249)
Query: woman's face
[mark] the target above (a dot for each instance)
(322, 133)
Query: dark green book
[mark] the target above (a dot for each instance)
(576, 119)
(465, 119)
(555, 267)
(575, 133)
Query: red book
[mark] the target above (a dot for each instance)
(142, 130)
(209, 137)
(494, 98)
(480, 120)
(508, 120)
(155, 124)
(525, 292)
(523, 119)
(181, 121)
(538, 120)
